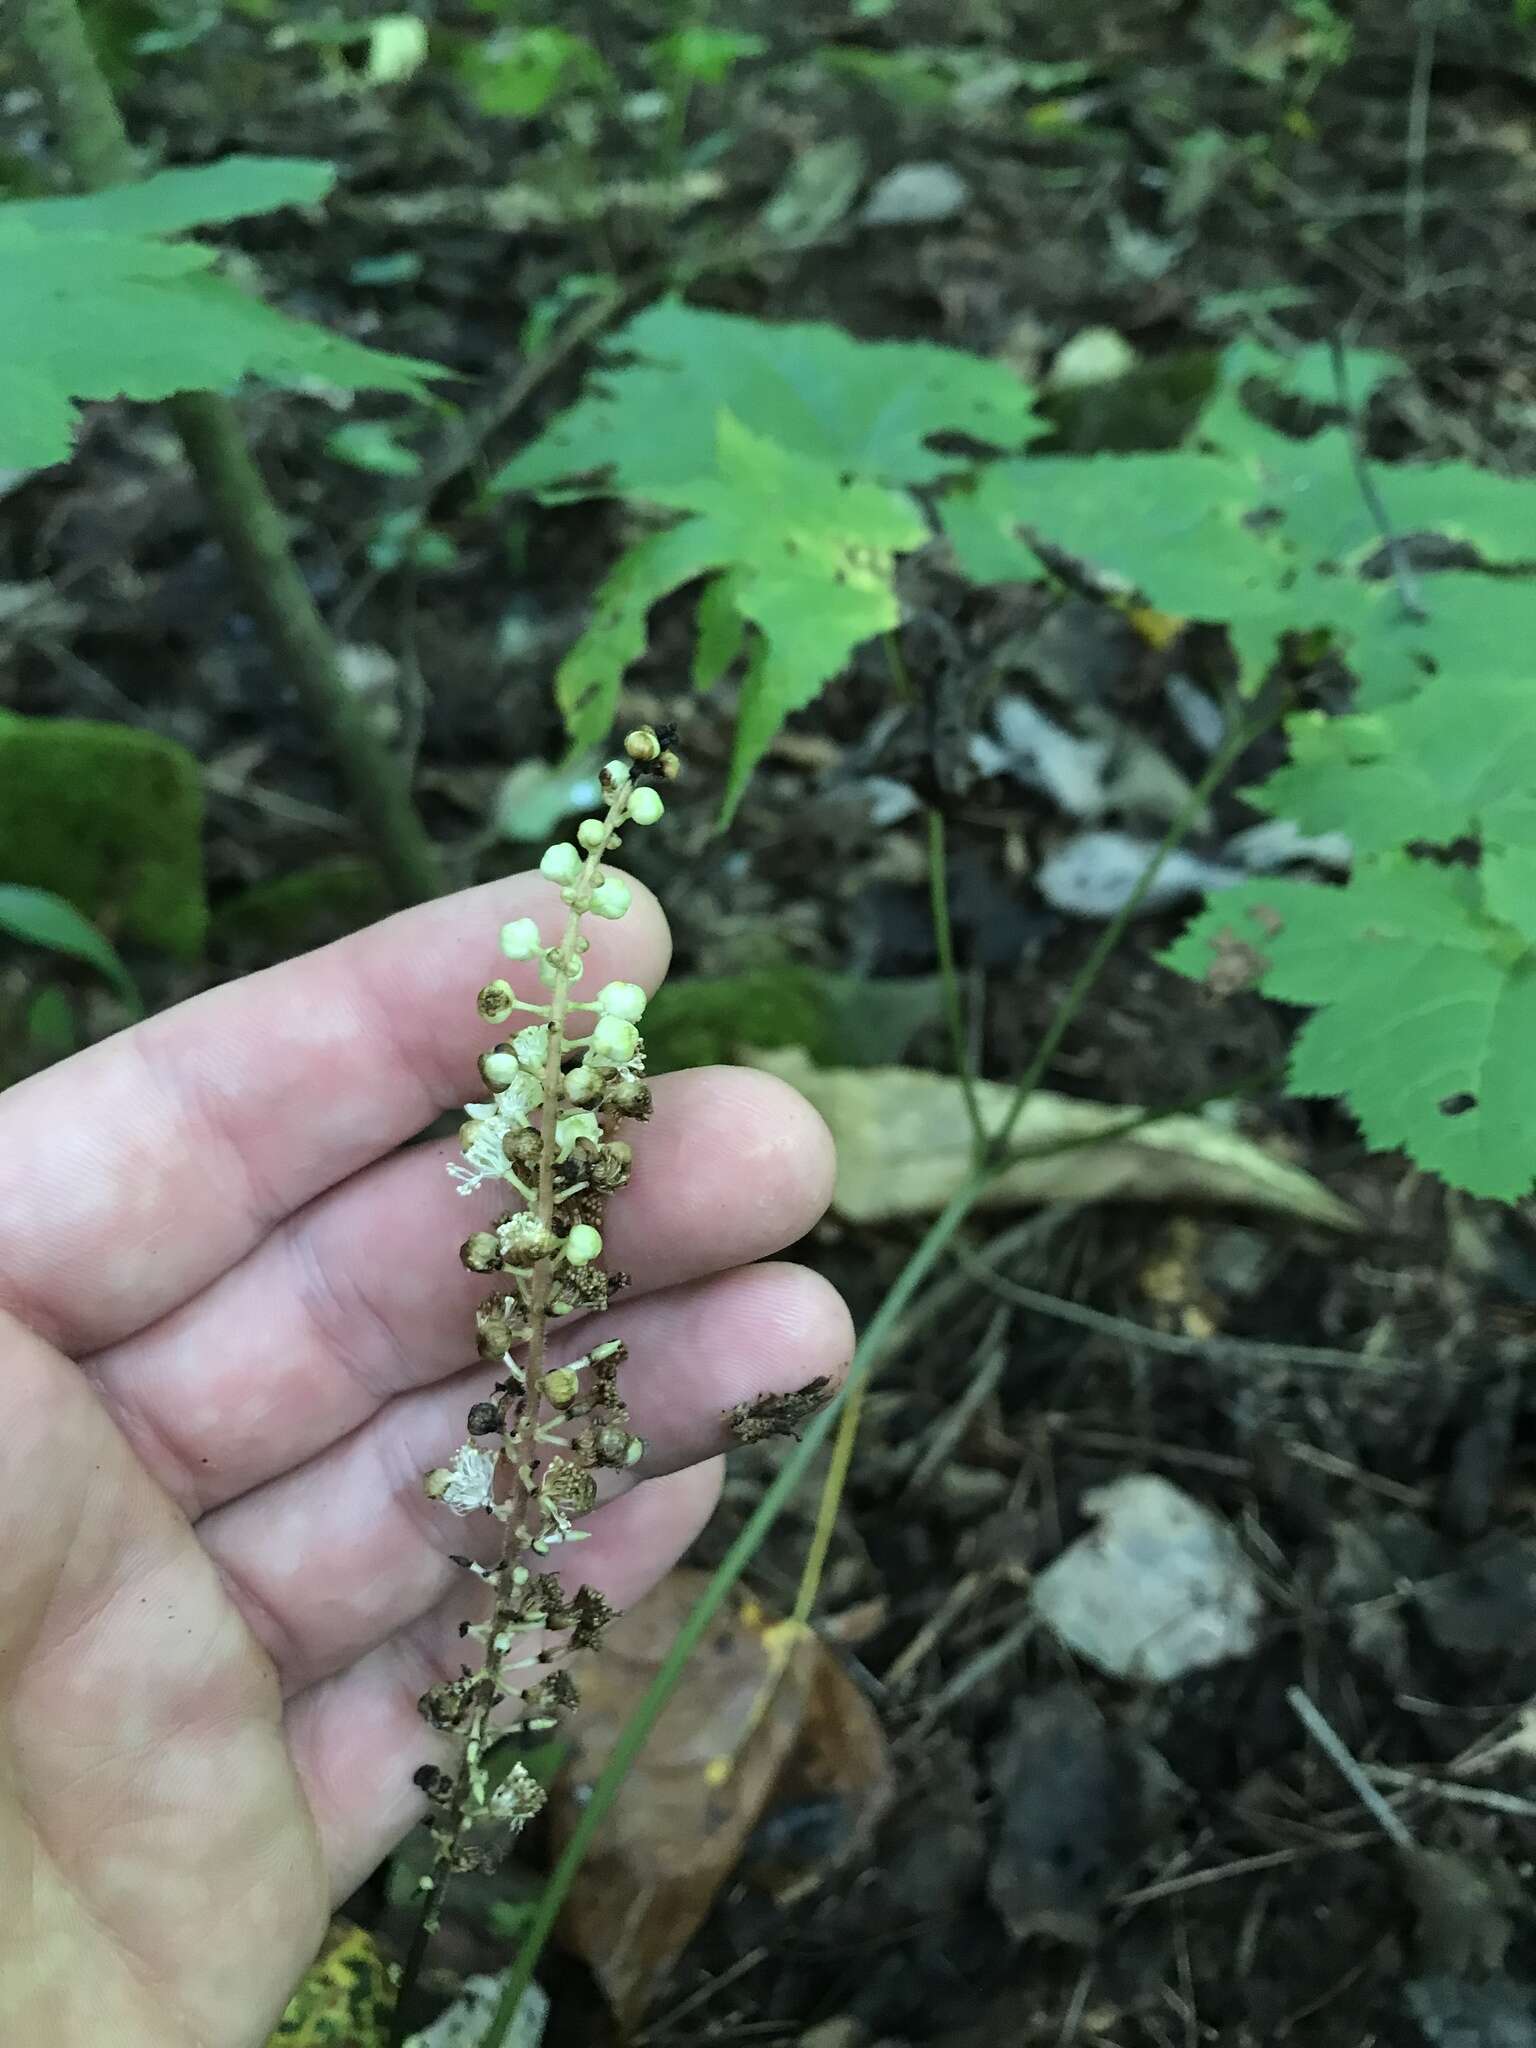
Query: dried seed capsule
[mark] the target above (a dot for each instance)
(496, 1001)
(561, 1386)
(484, 1417)
(481, 1253)
(642, 744)
(669, 766)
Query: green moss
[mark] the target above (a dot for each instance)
(110, 819)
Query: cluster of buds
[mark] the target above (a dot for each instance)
(559, 1085)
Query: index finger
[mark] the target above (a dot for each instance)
(136, 1172)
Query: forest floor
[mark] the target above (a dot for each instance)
(1064, 1856)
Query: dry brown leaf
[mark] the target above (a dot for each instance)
(903, 1148)
(765, 1710)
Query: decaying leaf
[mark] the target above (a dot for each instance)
(766, 1710)
(344, 1999)
(903, 1147)
(777, 1414)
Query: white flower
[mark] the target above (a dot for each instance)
(467, 1483)
(561, 863)
(523, 1238)
(530, 1048)
(620, 999)
(484, 1158)
(645, 806)
(520, 939)
(516, 1800)
(614, 1041)
(611, 898)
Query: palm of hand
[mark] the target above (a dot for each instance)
(221, 1589)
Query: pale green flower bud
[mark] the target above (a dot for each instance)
(520, 939)
(621, 999)
(583, 1085)
(583, 1245)
(611, 898)
(593, 834)
(613, 776)
(498, 1069)
(561, 863)
(614, 1040)
(645, 806)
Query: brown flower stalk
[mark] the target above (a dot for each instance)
(536, 1443)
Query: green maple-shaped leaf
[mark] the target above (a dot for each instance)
(95, 304)
(867, 409)
(1270, 532)
(805, 560)
(1424, 1009)
(1431, 767)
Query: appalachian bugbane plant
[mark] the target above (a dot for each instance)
(535, 1444)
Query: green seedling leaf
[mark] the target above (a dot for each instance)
(869, 409)
(371, 446)
(95, 305)
(1424, 1009)
(109, 819)
(519, 72)
(43, 919)
(706, 55)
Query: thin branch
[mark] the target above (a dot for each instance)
(1242, 1350)
(944, 941)
(1408, 592)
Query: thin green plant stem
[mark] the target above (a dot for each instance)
(1239, 737)
(93, 138)
(827, 1507)
(637, 1729)
(954, 1006)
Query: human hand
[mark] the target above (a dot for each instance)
(222, 1588)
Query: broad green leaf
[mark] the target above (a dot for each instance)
(43, 919)
(1427, 768)
(868, 409)
(720, 633)
(170, 202)
(110, 819)
(811, 559)
(92, 312)
(587, 681)
(1425, 1009)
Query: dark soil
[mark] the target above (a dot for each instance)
(1152, 1865)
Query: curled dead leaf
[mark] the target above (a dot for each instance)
(765, 1715)
(903, 1148)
